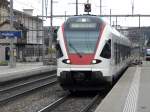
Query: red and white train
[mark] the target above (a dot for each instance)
(90, 52)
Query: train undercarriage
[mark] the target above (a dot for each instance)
(83, 80)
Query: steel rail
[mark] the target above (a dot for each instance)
(54, 104)
(88, 107)
(6, 99)
(26, 83)
(63, 99)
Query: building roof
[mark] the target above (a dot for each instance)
(17, 25)
(4, 2)
(25, 14)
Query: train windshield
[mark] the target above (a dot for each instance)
(148, 52)
(81, 36)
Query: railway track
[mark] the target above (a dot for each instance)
(9, 91)
(71, 104)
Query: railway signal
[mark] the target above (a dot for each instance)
(87, 7)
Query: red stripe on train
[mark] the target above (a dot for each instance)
(85, 59)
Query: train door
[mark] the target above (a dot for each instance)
(7, 53)
(113, 55)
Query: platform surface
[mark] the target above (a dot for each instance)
(23, 70)
(131, 93)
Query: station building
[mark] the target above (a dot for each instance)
(29, 46)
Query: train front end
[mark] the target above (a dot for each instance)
(80, 66)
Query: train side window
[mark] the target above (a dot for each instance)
(106, 52)
(118, 53)
(115, 52)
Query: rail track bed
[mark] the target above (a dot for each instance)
(35, 100)
(74, 103)
(19, 87)
(43, 94)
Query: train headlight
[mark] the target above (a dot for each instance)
(95, 61)
(67, 61)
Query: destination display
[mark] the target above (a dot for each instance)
(83, 25)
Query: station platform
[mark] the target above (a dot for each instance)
(23, 70)
(130, 93)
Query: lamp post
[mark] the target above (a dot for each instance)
(51, 15)
(76, 7)
(43, 43)
(132, 6)
(110, 17)
(11, 38)
(100, 7)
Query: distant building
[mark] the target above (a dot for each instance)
(4, 10)
(29, 46)
(32, 50)
(138, 35)
(47, 35)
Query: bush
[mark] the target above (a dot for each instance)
(3, 63)
(50, 50)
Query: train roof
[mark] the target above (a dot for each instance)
(86, 16)
(99, 19)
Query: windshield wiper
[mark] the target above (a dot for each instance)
(79, 54)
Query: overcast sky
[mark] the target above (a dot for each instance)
(116, 6)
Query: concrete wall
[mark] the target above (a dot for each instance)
(2, 53)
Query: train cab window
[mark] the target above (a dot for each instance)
(106, 52)
(147, 52)
(59, 51)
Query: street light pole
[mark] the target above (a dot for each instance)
(43, 46)
(100, 7)
(110, 17)
(132, 7)
(65, 15)
(11, 38)
(76, 7)
(51, 24)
